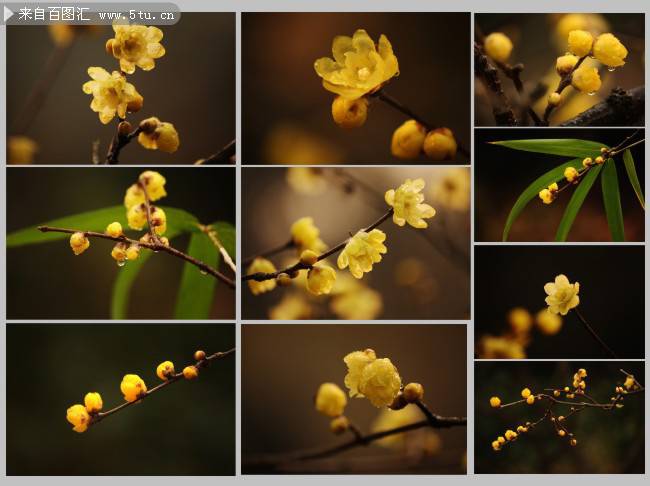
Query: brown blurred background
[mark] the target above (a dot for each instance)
(192, 86)
(609, 442)
(47, 281)
(424, 275)
(539, 39)
(283, 366)
(286, 113)
(502, 174)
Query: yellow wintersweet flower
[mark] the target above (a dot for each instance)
(565, 64)
(154, 183)
(495, 402)
(165, 370)
(134, 195)
(359, 67)
(356, 361)
(362, 251)
(630, 382)
(158, 220)
(114, 230)
(291, 307)
(79, 243)
(21, 150)
(93, 402)
(586, 80)
(133, 252)
(452, 189)
(525, 393)
(330, 400)
(136, 216)
(520, 320)
(407, 203)
(363, 304)
(111, 94)
(320, 279)
(380, 382)
(119, 253)
(547, 322)
(562, 295)
(440, 144)
(580, 42)
(306, 236)
(500, 347)
(548, 195)
(136, 45)
(498, 46)
(190, 372)
(78, 416)
(408, 140)
(261, 265)
(306, 180)
(609, 50)
(157, 135)
(571, 174)
(132, 387)
(510, 435)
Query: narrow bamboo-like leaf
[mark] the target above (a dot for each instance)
(575, 203)
(178, 221)
(628, 161)
(196, 291)
(570, 147)
(531, 192)
(227, 236)
(123, 284)
(612, 201)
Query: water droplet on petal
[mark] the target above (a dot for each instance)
(611, 69)
(121, 263)
(591, 93)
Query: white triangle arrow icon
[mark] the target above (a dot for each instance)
(8, 14)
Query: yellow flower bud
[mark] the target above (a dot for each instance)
(440, 144)
(525, 393)
(580, 42)
(119, 253)
(510, 435)
(190, 372)
(630, 382)
(164, 137)
(582, 373)
(306, 235)
(554, 99)
(93, 402)
(165, 370)
(547, 322)
(498, 46)
(413, 392)
(283, 280)
(587, 162)
(495, 402)
(154, 183)
(320, 279)
(546, 196)
(330, 400)
(339, 425)
(408, 140)
(565, 64)
(496, 445)
(308, 257)
(158, 220)
(561, 433)
(199, 355)
(133, 252)
(79, 243)
(609, 50)
(261, 265)
(501, 440)
(573, 442)
(78, 416)
(132, 387)
(530, 400)
(571, 174)
(560, 418)
(586, 80)
(556, 393)
(521, 429)
(114, 230)
(350, 113)
(599, 160)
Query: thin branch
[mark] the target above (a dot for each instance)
(623, 149)
(620, 108)
(119, 142)
(487, 73)
(593, 333)
(272, 251)
(147, 207)
(156, 247)
(96, 418)
(224, 156)
(214, 237)
(565, 81)
(261, 277)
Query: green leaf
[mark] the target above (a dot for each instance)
(570, 147)
(612, 201)
(575, 203)
(531, 192)
(628, 161)
(123, 283)
(227, 236)
(196, 291)
(178, 221)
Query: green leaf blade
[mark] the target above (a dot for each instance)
(612, 201)
(196, 292)
(569, 147)
(227, 236)
(578, 197)
(532, 191)
(630, 168)
(123, 284)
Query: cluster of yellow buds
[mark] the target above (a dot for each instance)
(80, 416)
(133, 46)
(331, 401)
(579, 384)
(411, 139)
(509, 436)
(573, 175)
(549, 194)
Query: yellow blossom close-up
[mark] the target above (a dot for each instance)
(562, 295)
(132, 387)
(356, 361)
(165, 370)
(362, 251)
(136, 45)
(306, 235)
(609, 50)
(408, 204)
(408, 140)
(586, 80)
(320, 279)
(78, 416)
(158, 135)
(498, 46)
(330, 400)
(580, 42)
(112, 94)
(79, 243)
(380, 382)
(261, 265)
(93, 402)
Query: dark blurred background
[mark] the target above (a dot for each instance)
(185, 429)
(611, 296)
(286, 113)
(539, 39)
(424, 275)
(502, 174)
(278, 414)
(65, 286)
(192, 86)
(609, 442)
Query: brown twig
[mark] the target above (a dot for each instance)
(565, 81)
(119, 142)
(594, 334)
(261, 276)
(147, 206)
(224, 156)
(620, 108)
(270, 252)
(98, 417)
(487, 73)
(154, 246)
